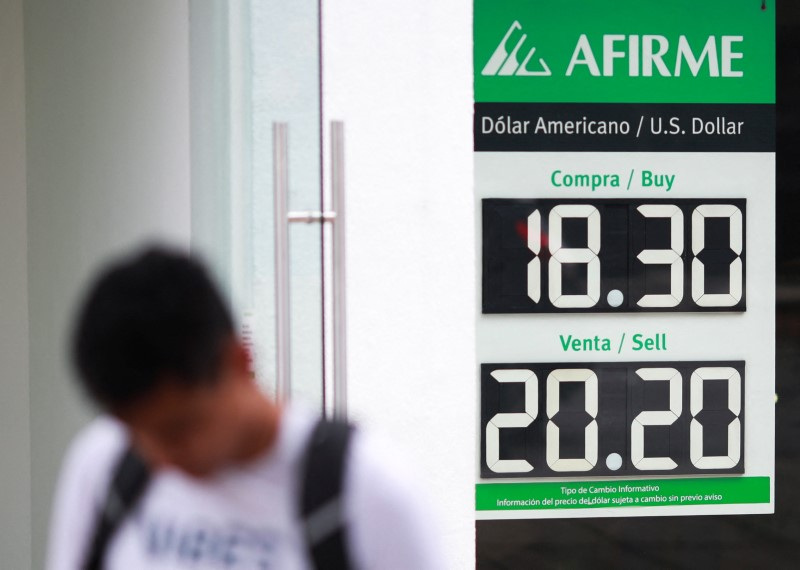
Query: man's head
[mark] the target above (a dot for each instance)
(154, 345)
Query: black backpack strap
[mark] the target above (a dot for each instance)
(321, 506)
(128, 483)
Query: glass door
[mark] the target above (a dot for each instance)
(255, 69)
(285, 88)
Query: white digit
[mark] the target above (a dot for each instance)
(671, 257)
(535, 266)
(586, 255)
(554, 380)
(699, 294)
(734, 428)
(512, 420)
(656, 418)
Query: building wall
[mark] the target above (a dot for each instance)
(108, 166)
(400, 79)
(15, 448)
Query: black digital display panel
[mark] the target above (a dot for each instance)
(612, 419)
(613, 255)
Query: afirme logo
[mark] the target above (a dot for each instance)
(503, 63)
(632, 55)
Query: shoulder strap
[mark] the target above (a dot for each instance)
(321, 501)
(128, 483)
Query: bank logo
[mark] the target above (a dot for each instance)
(503, 63)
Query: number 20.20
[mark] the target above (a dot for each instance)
(645, 418)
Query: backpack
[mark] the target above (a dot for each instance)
(320, 504)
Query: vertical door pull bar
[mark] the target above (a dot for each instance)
(280, 166)
(339, 298)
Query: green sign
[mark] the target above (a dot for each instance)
(626, 51)
(635, 493)
(607, 136)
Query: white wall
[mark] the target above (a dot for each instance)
(400, 77)
(15, 449)
(108, 165)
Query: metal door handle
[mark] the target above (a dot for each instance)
(283, 217)
(280, 158)
(339, 265)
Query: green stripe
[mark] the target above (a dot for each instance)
(632, 493)
(554, 28)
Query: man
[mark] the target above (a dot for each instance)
(155, 349)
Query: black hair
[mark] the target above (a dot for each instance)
(149, 318)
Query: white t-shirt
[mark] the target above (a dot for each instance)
(244, 517)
